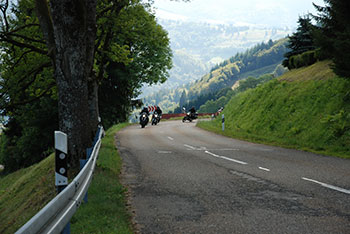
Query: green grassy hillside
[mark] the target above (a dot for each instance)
(306, 108)
(24, 192)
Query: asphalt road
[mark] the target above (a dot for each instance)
(183, 179)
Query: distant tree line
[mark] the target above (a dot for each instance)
(249, 57)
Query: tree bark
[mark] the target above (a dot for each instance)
(74, 29)
(93, 104)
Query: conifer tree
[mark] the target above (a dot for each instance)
(333, 33)
(300, 41)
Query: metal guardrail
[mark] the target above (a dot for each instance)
(58, 212)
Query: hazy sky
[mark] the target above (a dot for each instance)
(261, 12)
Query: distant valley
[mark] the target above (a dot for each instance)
(198, 47)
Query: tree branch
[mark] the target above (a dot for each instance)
(21, 57)
(50, 86)
(45, 21)
(3, 10)
(22, 45)
(25, 38)
(35, 71)
(23, 27)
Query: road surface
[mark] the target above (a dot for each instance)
(183, 179)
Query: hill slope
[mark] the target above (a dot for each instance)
(306, 108)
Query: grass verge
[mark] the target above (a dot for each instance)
(105, 211)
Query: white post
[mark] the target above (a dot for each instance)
(223, 122)
(61, 175)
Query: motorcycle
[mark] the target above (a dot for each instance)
(144, 119)
(189, 116)
(155, 118)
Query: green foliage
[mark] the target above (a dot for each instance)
(302, 60)
(149, 57)
(301, 110)
(28, 96)
(28, 137)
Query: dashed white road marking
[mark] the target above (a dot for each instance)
(203, 148)
(189, 146)
(164, 152)
(217, 156)
(264, 169)
(226, 149)
(170, 138)
(226, 158)
(328, 185)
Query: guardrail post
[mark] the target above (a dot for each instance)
(223, 122)
(61, 166)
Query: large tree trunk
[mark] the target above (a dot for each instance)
(93, 103)
(74, 33)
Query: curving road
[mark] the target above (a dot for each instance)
(183, 179)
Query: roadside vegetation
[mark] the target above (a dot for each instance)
(105, 211)
(307, 108)
(26, 191)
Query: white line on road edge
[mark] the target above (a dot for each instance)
(328, 186)
(170, 138)
(226, 158)
(264, 169)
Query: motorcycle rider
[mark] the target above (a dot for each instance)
(158, 110)
(144, 119)
(193, 112)
(157, 115)
(145, 109)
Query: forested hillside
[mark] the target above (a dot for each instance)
(263, 58)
